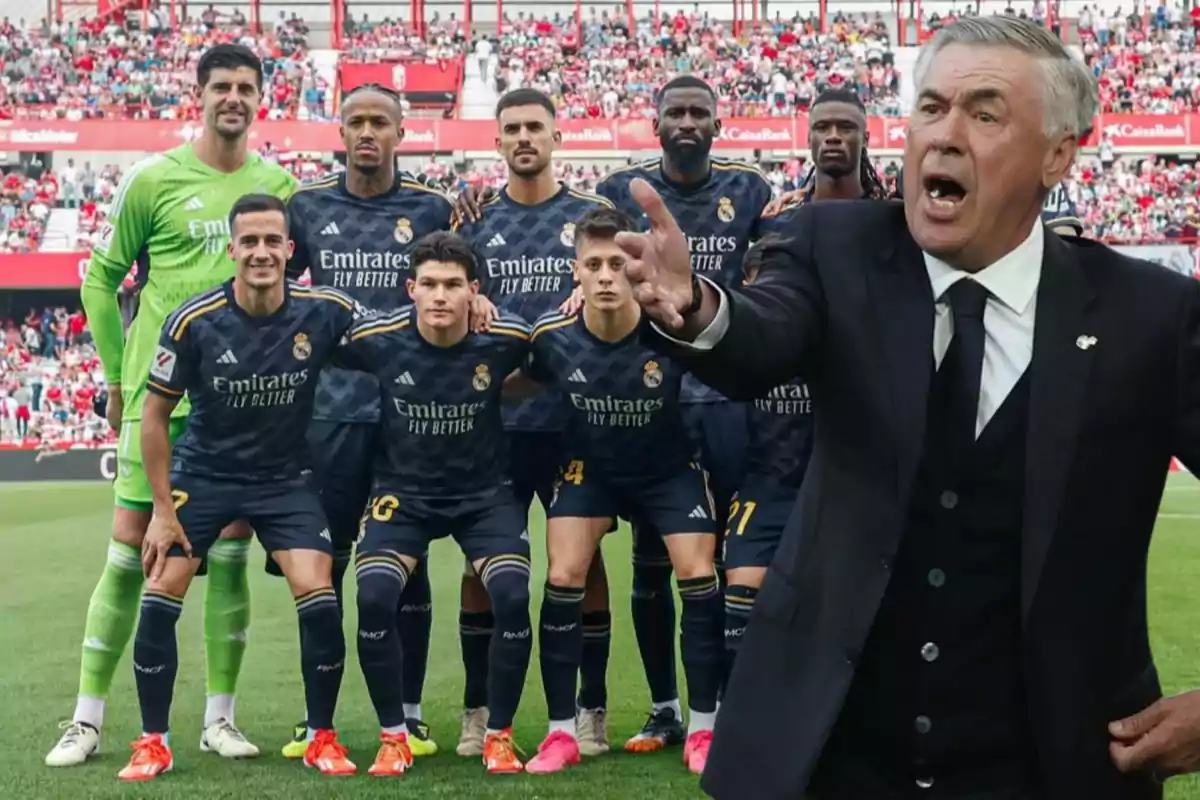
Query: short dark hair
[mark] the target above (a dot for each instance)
(378, 88)
(447, 247)
(602, 223)
(227, 56)
(685, 82)
(525, 97)
(255, 203)
(840, 95)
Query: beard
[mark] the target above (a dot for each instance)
(688, 157)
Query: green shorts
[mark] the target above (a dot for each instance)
(131, 488)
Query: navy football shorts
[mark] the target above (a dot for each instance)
(484, 526)
(341, 455)
(285, 515)
(720, 432)
(679, 504)
(533, 459)
(757, 516)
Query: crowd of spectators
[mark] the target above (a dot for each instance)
(778, 68)
(52, 390)
(128, 67)
(1145, 63)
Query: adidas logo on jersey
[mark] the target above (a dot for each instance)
(698, 513)
(497, 241)
(227, 358)
(331, 230)
(195, 204)
(406, 380)
(324, 534)
(577, 377)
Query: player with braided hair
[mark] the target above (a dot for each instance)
(841, 167)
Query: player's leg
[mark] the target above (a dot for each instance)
(113, 609)
(653, 608)
(394, 539)
(579, 516)
(202, 508)
(293, 530)
(682, 509)
(591, 719)
(341, 457)
(226, 622)
(476, 621)
(415, 625)
(493, 538)
(757, 517)
(475, 626)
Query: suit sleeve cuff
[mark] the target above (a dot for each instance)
(710, 336)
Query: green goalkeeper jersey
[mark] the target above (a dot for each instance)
(170, 215)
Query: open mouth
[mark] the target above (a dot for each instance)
(943, 191)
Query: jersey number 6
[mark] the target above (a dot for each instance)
(383, 508)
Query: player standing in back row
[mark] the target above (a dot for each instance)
(525, 245)
(718, 204)
(354, 232)
(170, 211)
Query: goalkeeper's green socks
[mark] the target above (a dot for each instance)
(226, 621)
(111, 615)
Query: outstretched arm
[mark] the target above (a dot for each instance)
(741, 343)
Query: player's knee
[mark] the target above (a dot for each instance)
(237, 530)
(129, 526)
(380, 584)
(175, 579)
(306, 570)
(567, 575)
(695, 567)
(507, 581)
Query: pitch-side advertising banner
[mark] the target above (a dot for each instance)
(1167, 132)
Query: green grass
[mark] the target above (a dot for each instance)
(54, 538)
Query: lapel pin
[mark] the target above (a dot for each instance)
(1085, 342)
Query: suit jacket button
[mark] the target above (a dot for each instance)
(936, 578)
(948, 499)
(925, 783)
(923, 724)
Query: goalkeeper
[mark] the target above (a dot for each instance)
(171, 215)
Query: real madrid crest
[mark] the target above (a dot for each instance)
(404, 231)
(725, 210)
(301, 349)
(482, 379)
(567, 237)
(651, 375)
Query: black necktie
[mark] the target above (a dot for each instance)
(961, 371)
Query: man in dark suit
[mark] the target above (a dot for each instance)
(958, 607)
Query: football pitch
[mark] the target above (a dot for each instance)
(53, 539)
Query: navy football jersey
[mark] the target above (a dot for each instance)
(720, 216)
(780, 440)
(251, 380)
(361, 245)
(1059, 211)
(525, 255)
(442, 426)
(624, 420)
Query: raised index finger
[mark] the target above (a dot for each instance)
(650, 202)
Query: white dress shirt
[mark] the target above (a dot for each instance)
(1012, 284)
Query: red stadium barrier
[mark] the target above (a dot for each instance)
(1160, 133)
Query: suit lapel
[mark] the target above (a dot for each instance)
(901, 292)
(1062, 359)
